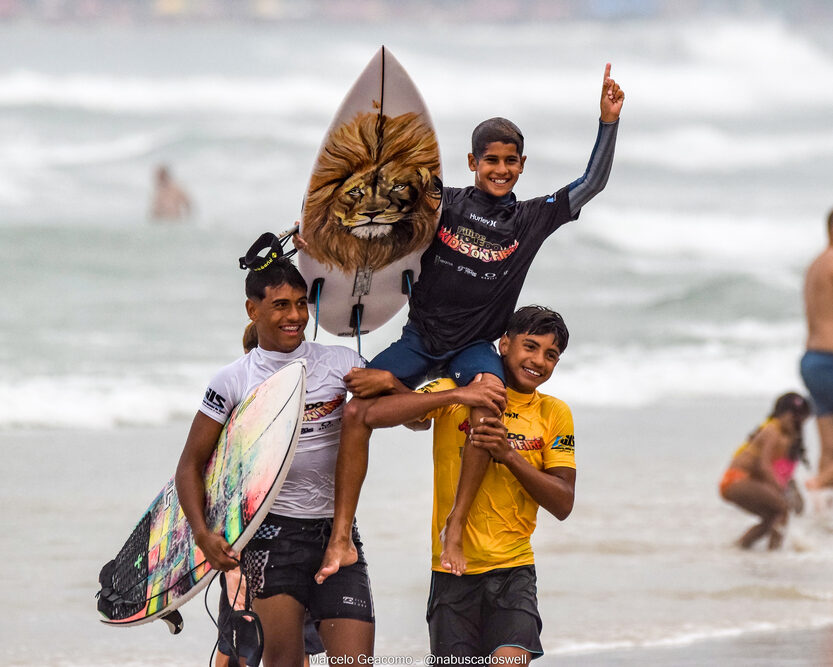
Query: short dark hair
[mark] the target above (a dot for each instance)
(495, 129)
(830, 224)
(539, 321)
(280, 272)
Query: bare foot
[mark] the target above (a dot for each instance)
(339, 553)
(452, 558)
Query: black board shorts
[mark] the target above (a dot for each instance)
(476, 614)
(283, 557)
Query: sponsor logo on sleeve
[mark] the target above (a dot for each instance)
(213, 401)
(564, 443)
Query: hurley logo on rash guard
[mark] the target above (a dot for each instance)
(315, 411)
(214, 401)
(482, 220)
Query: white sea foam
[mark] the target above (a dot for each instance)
(627, 376)
(690, 636)
(197, 94)
(93, 402)
(719, 68)
(632, 375)
(767, 243)
(700, 147)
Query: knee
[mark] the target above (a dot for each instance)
(355, 411)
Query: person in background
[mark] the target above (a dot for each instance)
(170, 202)
(817, 362)
(758, 477)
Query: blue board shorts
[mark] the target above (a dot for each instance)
(817, 373)
(413, 365)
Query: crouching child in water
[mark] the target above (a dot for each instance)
(759, 476)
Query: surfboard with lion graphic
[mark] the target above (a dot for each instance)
(373, 202)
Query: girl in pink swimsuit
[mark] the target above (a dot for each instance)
(759, 478)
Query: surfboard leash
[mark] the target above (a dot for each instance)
(359, 331)
(243, 627)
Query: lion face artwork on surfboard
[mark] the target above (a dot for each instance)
(373, 196)
(373, 201)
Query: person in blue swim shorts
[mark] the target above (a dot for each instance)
(817, 362)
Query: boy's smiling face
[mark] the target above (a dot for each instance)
(280, 317)
(528, 360)
(498, 169)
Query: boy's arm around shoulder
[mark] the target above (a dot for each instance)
(552, 488)
(190, 487)
(410, 406)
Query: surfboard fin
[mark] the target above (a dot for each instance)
(315, 297)
(174, 621)
(407, 282)
(356, 323)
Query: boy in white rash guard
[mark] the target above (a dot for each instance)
(284, 554)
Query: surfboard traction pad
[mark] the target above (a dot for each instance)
(125, 574)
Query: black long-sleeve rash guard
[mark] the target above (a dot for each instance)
(474, 269)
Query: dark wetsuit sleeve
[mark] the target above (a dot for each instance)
(594, 179)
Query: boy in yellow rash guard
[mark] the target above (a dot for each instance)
(503, 514)
(492, 609)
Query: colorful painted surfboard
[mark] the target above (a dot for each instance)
(160, 567)
(373, 202)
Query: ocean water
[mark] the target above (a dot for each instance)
(681, 283)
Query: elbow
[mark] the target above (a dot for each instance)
(181, 474)
(563, 514)
(564, 508)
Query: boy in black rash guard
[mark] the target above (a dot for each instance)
(470, 280)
